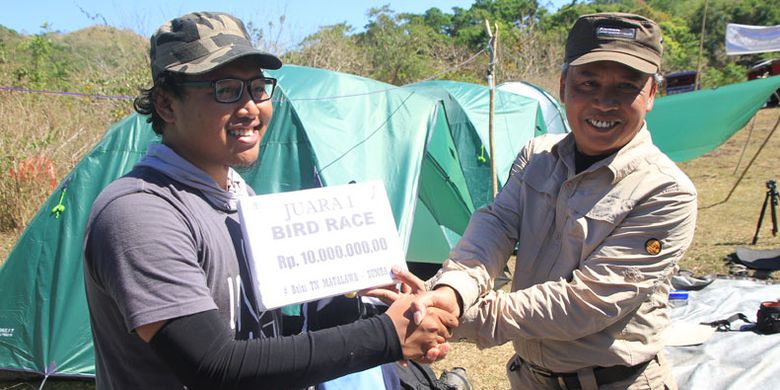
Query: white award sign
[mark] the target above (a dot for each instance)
(311, 244)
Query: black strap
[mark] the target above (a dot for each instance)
(606, 375)
(767, 319)
(725, 325)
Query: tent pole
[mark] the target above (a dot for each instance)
(492, 47)
(747, 141)
(748, 166)
(701, 47)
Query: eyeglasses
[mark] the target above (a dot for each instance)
(231, 90)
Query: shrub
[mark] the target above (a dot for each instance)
(31, 178)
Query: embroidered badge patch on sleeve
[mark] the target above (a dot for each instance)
(653, 246)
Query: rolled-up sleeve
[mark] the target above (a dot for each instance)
(611, 283)
(488, 241)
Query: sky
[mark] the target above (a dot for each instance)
(302, 17)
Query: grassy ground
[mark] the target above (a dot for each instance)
(721, 227)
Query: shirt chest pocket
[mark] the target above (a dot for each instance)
(602, 218)
(610, 209)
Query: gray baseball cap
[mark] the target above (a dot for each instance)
(629, 39)
(199, 42)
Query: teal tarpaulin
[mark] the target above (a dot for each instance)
(688, 125)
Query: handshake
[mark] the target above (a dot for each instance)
(423, 319)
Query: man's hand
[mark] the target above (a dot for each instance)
(429, 310)
(443, 297)
(409, 284)
(424, 342)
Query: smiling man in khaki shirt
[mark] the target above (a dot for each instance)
(600, 218)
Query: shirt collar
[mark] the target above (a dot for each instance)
(620, 164)
(631, 155)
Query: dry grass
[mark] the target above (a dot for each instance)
(721, 227)
(43, 137)
(7, 241)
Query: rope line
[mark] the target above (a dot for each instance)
(76, 94)
(281, 100)
(456, 67)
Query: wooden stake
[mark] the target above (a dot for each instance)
(491, 78)
(701, 46)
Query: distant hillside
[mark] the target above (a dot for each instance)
(104, 46)
(98, 59)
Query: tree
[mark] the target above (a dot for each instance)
(680, 46)
(44, 68)
(719, 67)
(401, 49)
(330, 48)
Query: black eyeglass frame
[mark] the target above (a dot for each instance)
(244, 83)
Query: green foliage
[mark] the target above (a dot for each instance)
(437, 20)
(468, 26)
(400, 50)
(562, 20)
(729, 74)
(44, 68)
(330, 48)
(680, 46)
(722, 12)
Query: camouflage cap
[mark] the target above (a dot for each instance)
(199, 42)
(629, 39)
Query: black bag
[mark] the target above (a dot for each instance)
(416, 376)
(768, 317)
(767, 320)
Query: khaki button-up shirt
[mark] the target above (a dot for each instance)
(595, 255)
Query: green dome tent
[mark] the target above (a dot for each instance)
(327, 128)
(517, 120)
(554, 117)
